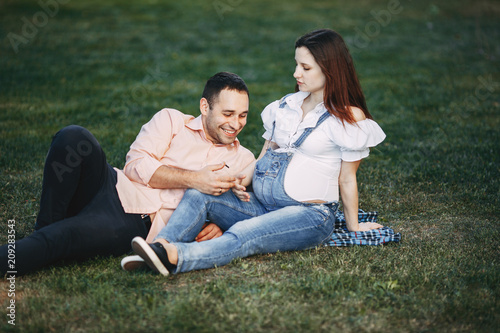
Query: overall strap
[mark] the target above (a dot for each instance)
(309, 130)
(283, 100)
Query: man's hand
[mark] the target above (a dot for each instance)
(209, 181)
(209, 231)
(212, 179)
(240, 190)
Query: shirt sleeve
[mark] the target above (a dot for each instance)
(151, 144)
(268, 117)
(356, 139)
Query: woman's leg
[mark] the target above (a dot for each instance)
(195, 208)
(286, 229)
(74, 172)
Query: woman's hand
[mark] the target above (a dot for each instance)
(365, 226)
(245, 177)
(240, 190)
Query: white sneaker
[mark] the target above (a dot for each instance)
(132, 263)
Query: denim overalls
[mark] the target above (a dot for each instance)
(269, 175)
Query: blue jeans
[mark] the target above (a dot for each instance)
(250, 228)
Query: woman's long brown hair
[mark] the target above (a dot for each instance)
(342, 88)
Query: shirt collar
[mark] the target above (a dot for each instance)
(296, 100)
(196, 125)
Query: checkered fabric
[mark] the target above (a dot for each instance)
(342, 237)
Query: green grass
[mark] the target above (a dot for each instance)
(431, 76)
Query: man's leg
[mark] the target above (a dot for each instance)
(74, 172)
(101, 228)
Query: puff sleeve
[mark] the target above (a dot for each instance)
(268, 117)
(356, 139)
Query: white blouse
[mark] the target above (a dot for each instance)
(314, 170)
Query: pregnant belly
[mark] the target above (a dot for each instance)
(309, 180)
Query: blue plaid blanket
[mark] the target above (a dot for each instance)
(343, 237)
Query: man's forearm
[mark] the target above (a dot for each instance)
(205, 180)
(169, 177)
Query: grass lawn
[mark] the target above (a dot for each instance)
(431, 74)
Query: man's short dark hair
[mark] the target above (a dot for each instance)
(221, 81)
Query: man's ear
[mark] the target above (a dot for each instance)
(204, 107)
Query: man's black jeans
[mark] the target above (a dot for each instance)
(80, 212)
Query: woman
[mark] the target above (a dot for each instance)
(315, 140)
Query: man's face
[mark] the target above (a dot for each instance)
(227, 116)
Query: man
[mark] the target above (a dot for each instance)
(88, 208)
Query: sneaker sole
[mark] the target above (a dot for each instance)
(132, 263)
(142, 248)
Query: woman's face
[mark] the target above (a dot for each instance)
(308, 74)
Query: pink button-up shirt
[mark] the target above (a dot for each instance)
(173, 139)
